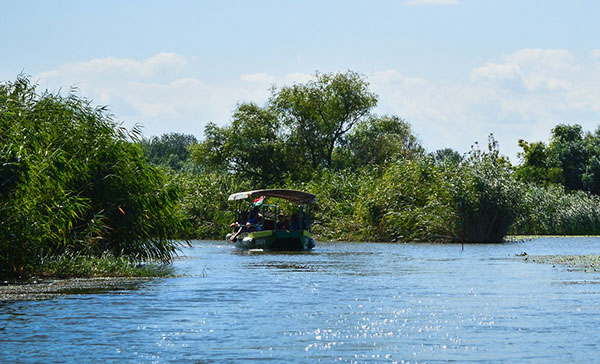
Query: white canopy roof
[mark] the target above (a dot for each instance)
(297, 197)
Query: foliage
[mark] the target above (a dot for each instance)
(571, 158)
(419, 200)
(334, 215)
(409, 201)
(204, 207)
(487, 196)
(73, 182)
(252, 146)
(552, 211)
(170, 150)
(406, 201)
(300, 130)
(320, 112)
(569, 151)
(376, 141)
(78, 191)
(373, 179)
(446, 157)
(106, 265)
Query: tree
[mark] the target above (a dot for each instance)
(537, 166)
(446, 156)
(571, 158)
(378, 140)
(487, 197)
(320, 112)
(170, 149)
(591, 176)
(251, 146)
(568, 149)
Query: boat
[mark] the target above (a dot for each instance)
(270, 231)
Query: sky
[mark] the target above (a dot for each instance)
(456, 70)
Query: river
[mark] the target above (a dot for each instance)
(341, 303)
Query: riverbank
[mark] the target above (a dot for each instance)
(44, 289)
(74, 275)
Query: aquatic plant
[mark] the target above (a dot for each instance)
(553, 211)
(105, 265)
(486, 196)
(204, 208)
(74, 181)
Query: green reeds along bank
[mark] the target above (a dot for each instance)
(476, 200)
(74, 182)
(553, 211)
(106, 265)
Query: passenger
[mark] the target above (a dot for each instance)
(240, 225)
(282, 222)
(254, 221)
(295, 224)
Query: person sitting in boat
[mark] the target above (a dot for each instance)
(282, 222)
(240, 225)
(295, 223)
(254, 220)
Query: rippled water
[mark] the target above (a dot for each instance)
(346, 303)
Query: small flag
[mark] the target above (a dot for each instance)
(258, 201)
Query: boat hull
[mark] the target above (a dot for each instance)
(277, 241)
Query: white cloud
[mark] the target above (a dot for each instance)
(430, 2)
(123, 68)
(158, 92)
(518, 95)
(499, 72)
(533, 69)
(260, 77)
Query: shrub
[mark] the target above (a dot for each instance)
(486, 197)
(73, 181)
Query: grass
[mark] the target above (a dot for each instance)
(107, 265)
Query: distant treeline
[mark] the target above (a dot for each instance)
(75, 183)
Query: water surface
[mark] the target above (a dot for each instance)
(341, 303)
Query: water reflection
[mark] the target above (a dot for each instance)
(292, 267)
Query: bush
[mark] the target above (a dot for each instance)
(204, 207)
(486, 197)
(552, 211)
(409, 201)
(73, 181)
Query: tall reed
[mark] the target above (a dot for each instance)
(74, 181)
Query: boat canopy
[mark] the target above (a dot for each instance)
(297, 197)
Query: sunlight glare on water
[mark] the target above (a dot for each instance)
(343, 302)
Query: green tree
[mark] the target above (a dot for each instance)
(378, 140)
(537, 164)
(487, 197)
(171, 150)
(252, 146)
(591, 176)
(447, 157)
(570, 158)
(568, 148)
(320, 112)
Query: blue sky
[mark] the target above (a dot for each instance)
(456, 70)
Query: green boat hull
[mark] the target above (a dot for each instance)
(300, 240)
